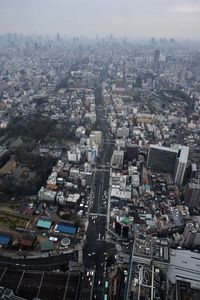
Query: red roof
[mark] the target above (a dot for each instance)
(27, 241)
(29, 211)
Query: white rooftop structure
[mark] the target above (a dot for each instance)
(159, 147)
(73, 198)
(185, 266)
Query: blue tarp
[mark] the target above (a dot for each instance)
(4, 240)
(66, 228)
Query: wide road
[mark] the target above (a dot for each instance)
(96, 248)
(40, 263)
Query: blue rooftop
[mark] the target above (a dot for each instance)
(4, 240)
(66, 228)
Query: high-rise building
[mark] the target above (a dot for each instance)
(131, 151)
(156, 61)
(192, 196)
(74, 155)
(161, 159)
(192, 172)
(58, 37)
(191, 235)
(95, 138)
(118, 159)
(153, 41)
(181, 163)
(122, 226)
(168, 160)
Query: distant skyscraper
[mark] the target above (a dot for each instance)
(58, 37)
(172, 41)
(153, 41)
(156, 62)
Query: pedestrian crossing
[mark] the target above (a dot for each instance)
(98, 215)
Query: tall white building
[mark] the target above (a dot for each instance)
(95, 138)
(181, 164)
(118, 159)
(74, 155)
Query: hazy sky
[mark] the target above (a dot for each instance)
(134, 18)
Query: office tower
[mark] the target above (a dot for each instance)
(58, 37)
(156, 62)
(161, 159)
(95, 138)
(131, 151)
(193, 170)
(122, 226)
(192, 196)
(153, 41)
(181, 163)
(172, 41)
(167, 160)
(191, 235)
(118, 159)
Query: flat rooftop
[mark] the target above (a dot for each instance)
(158, 147)
(185, 266)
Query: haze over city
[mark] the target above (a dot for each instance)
(131, 18)
(100, 149)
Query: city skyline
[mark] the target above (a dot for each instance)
(135, 19)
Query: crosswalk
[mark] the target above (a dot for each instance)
(103, 166)
(102, 170)
(98, 215)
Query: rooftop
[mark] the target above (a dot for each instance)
(47, 245)
(159, 147)
(185, 266)
(44, 224)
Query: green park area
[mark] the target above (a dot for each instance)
(10, 223)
